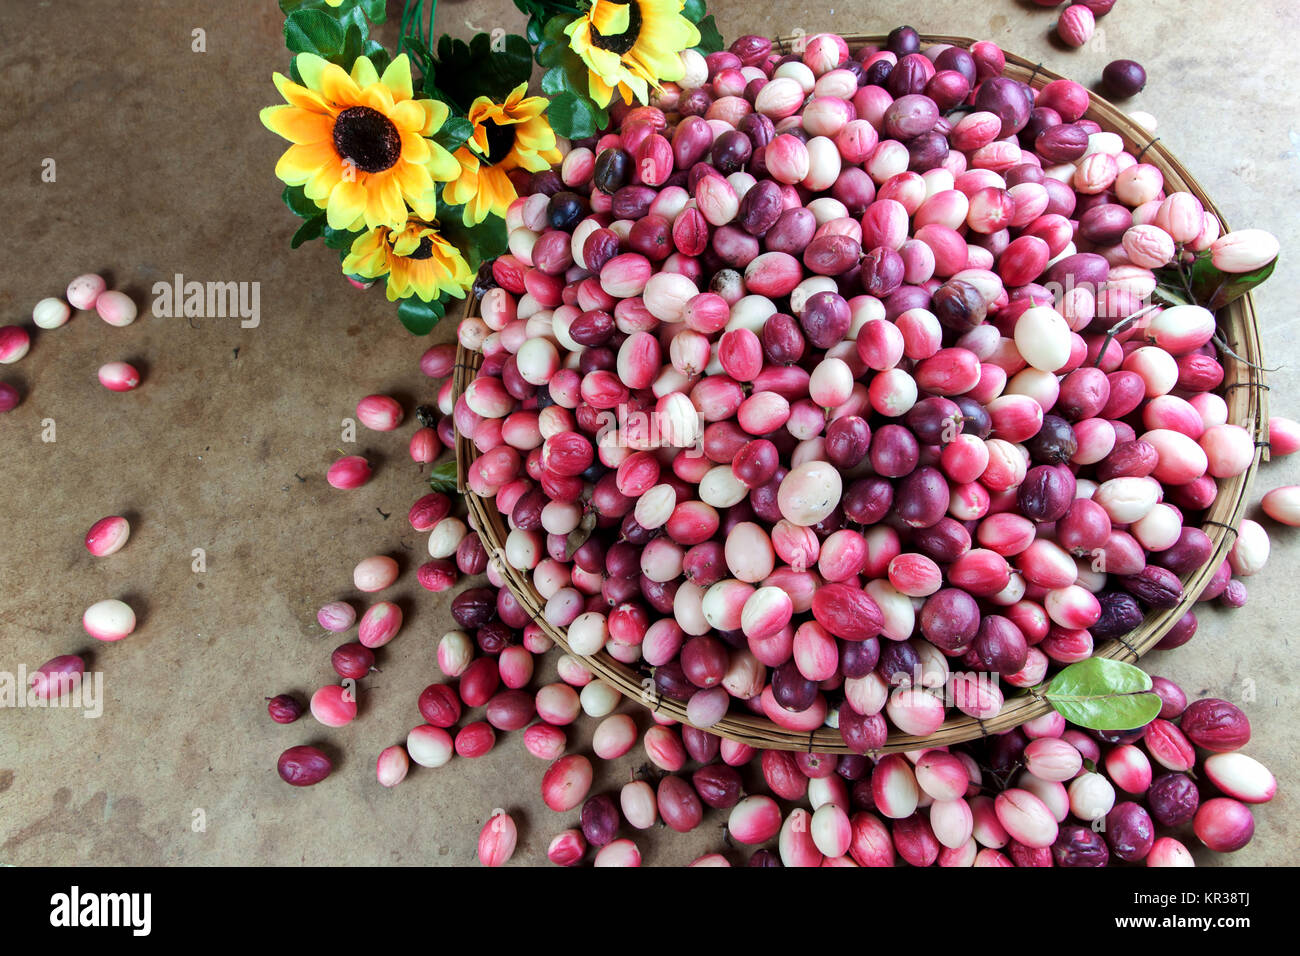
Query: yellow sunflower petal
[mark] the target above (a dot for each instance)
(436, 113)
(516, 97)
(311, 68)
(442, 165)
(337, 87)
(297, 125)
(321, 183)
(299, 163)
(601, 92)
(377, 97)
(406, 243)
(610, 19)
(414, 180)
(415, 149)
(398, 78)
(426, 206)
(407, 116)
(384, 204)
(347, 202)
(300, 96)
(363, 72)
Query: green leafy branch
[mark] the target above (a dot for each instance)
(489, 66)
(1102, 694)
(1198, 282)
(337, 34)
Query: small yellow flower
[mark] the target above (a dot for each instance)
(631, 45)
(509, 135)
(416, 259)
(360, 142)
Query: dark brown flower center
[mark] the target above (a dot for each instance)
(423, 251)
(501, 140)
(368, 138)
(620, 43)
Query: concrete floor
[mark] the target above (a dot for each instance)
(162, 168)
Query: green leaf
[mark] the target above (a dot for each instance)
(710, 38)
(553, 44)
(1203, 284)
(510, 65)
(1214, 289)
(309, 230)
(579, 535)
(419, 316)
(296, 199)
(419, 52)
(455, 131)
(1103, 694)
(575, 116)
(353, 46)
(478, 243)
(312, 31)
(694, 10)
(352, 16)
(376, 10)
(379, 55)
(556, 81)
(1169, 289)
(443, 477)
(466, 71)
(339, 238)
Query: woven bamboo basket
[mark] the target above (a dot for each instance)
(1243, 389)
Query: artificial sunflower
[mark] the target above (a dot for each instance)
(416, 259)
(360, 142)
(631, 45)
(509, 135)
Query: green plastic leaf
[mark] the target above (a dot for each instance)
(554, 44)
(339, 238)
(296, 199)
(312, 31)
(379, 55)
(569, 75)
(354, 45)
(419, 316)
(556, 81)
(309, 230)
(576, 117)
(710, 38)
(455, 131)
(509, 65)
(376, 10)
(443, 477)
(289, 6)
(694, 10)
(483, 67)
(1103, 694)
(419, 51)
(478, 243)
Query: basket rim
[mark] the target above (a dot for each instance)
(1243, 388)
